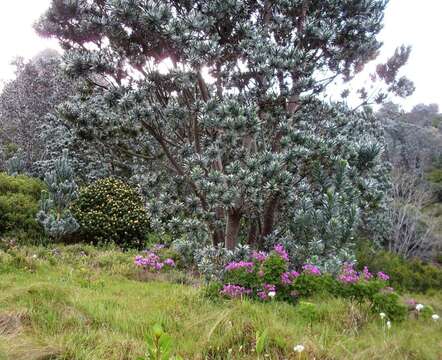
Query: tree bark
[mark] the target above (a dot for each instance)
(253, 230)
(269, 216)
(218, 234)
(232, 228)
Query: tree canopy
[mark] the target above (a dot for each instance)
(215, 107)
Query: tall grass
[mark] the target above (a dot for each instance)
(82, 303)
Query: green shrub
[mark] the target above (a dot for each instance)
(426, 312)
(273, 267)
(308, 311)
(212, 290)
(243, 277)
(388, 303)
(410, 275)
(19, 206)
(111, 211)
(307, 285)
(21, 185)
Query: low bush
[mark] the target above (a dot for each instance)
(156, 259)
(409, 275)
(267, 277)
(21, 184)
(109, 210)
(19, 197)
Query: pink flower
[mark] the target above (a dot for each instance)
(268, 291)
(262, 295)
(367, 274)
(269, 287)
(169, 262)
(279, 249)
(259, 256)
(288, 277)
(311, 270)
(411, 302)
(240, 264)
(383, 276)
(234, 291)
(150, 262)
(158, 266)
(349, 274)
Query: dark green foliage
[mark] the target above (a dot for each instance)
(388, 303)
(109, 210)
(409, 275)
(273, 267)
(426, 312)
(212, 290)
(18, 207)
(243, 277)
(360, 291)
(309, 285)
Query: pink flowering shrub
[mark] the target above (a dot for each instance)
(154, 260)
(311, 270)
(267, 276)
(235, 291)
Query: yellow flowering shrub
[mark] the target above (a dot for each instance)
(110, 210)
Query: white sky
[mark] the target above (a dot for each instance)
(413, 22)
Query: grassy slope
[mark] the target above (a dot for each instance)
(92, 307)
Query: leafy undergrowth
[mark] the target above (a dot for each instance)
(78, 302)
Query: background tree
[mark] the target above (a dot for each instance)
(217, 102)
(412, 231)
(39, 86)
(413, 142)
(32, 135)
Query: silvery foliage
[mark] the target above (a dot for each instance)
(331, 205)
(16, 165)
(246, 141)
(211, 260)
(87, 162)
(54, 213)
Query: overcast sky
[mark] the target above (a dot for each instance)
(413, 22)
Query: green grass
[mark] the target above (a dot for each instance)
(83, 303)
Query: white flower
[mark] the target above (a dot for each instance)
(34, 256)
(419, 307)
(272, 294)
(435, 317)
(382, 315)
(388, 324)
(299, 348)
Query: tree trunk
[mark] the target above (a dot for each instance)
(253, 229)
(269, 216)
(218, 233)
(232, 228)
